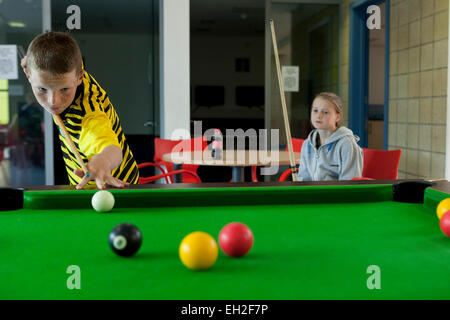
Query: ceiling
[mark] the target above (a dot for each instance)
(208, 17)
(27, 11)
(229, 17)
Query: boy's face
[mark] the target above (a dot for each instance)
(54, 92)
(324, 115)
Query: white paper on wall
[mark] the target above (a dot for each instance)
(291, 76)
(8, 62)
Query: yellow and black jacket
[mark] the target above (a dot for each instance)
(93, 124)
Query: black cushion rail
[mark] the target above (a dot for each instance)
(11, 199)
(410, 191)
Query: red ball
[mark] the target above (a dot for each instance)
(235, 239)
(445, 223)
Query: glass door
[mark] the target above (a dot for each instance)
(308, 45)
(118, 44)
(22, 129)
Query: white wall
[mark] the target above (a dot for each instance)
(447, 149)
(48, 120)
(174, 67)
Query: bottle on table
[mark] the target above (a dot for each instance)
(217, 145)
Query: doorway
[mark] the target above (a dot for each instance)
(22, 143)
(227, 70)
(119, 44)
(307, 40)
(369, 74)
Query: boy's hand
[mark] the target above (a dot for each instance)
(99, 180)
(100, 167)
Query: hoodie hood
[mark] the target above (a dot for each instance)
(340, 158)
(340, 133)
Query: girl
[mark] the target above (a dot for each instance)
(330, 151)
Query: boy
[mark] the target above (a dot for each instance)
(53, 66)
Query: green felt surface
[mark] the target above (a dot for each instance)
(314, 250)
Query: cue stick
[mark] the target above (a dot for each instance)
(21, 52)
(69, 141)
(283, 104)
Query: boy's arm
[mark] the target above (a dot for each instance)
(100, 167)
(99, 140)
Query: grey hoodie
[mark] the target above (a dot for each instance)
(340, 158)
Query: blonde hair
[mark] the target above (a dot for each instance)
(335, 100)
(54, 52)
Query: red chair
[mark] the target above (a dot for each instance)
(380, 164)
(377, 165)
(297, 146)
(285, 175)
(163, 146)
(143, 180)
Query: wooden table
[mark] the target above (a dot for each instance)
(236, 159)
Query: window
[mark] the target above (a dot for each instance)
(242, 65)
(4, 102)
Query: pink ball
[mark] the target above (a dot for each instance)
(445, 223)
(235, 239)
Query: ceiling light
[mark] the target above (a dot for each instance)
(16, 24)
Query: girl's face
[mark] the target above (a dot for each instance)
(324, 115)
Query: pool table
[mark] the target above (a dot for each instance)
(317, 240)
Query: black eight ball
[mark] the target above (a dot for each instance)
(125, 239)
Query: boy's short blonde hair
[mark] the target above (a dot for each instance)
(54, 52)
(334, 99)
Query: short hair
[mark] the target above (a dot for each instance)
(334, 99)
(54, 52)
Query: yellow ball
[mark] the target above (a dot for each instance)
(443, 207)
(198, 251)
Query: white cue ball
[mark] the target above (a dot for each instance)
(103, 201)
